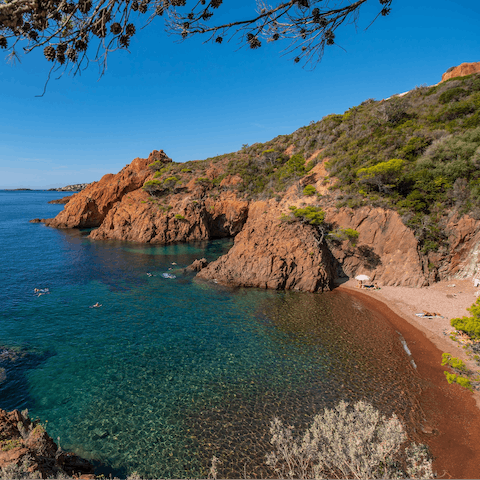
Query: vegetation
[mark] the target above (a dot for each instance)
(309, 190)
(469, 325)
(462, 381)
(310, 214)
(453, 362)
(73, 33)
(341, 234)
(347, 442)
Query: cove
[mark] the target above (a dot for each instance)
(171, 371)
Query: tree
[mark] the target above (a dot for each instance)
(383, 175)
(73, 32)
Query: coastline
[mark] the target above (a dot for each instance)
(452, 412)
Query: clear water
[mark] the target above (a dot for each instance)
(169, 372)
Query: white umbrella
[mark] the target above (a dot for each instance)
(361, 278)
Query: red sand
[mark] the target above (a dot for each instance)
(451, 410)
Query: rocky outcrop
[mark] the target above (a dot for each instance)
(135, 218)
(62, 201)
(386, 250)
(25, 445)
(271, 253)
(197, 265)
(90, 207)
(463, 260)
(461, 70)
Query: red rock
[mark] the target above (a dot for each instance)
(62, 201)
(461, 70)
(89, 207)
(22, 439)
(269, 253)
(386, 250)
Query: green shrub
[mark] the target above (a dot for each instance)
(451, 377)
(384, 174)
(179, 217)
(186, 170)
(452, 94)
(465, 383)
(311, 215)
(309, 190)
(454, 362)
(469, 325)
(345, 234)
(153, 186)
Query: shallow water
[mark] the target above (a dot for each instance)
(169, 372)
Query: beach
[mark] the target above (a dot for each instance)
(452, 421)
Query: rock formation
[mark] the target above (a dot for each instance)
(461, 70)
(271, 253)
(26, 445)
(90, 206)
(386, 250)
(158, 201)
(62, 201)
(135, 219)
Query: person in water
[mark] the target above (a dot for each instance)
(97, 305)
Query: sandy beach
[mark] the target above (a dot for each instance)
(452, 413)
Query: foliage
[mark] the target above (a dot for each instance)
(347, 442)
(345, 234)
(469, 325)
(73, 33)
(309, 214)
(384, 174)
(153, 186)
(179, 217)
(454, 362)
(462, 381)
(309, 190)
(439, 144)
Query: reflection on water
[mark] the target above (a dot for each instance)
(170, 372)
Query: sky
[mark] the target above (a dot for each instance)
(196, 100)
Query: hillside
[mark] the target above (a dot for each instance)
(389, 188)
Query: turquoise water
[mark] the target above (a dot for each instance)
(171, 371)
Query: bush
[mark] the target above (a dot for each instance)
(345, 234)
(153, 186)
(311, 215)
(462, 381)
(347, 442)
(452, 94)
(179, 217)
(454, 362)
(384, 174)
(309, 190)
(469, 325)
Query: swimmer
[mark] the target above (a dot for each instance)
(96, 305)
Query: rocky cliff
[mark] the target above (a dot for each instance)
(89, 207)
(271, 249)
(461, 70)
(318, 206)
(271, 253)
(25, 446)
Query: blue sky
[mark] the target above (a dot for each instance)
(197, 100)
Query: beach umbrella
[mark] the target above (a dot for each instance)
(361, 278)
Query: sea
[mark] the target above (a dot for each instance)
(171, 371)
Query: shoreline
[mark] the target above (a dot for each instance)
(453, 420)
